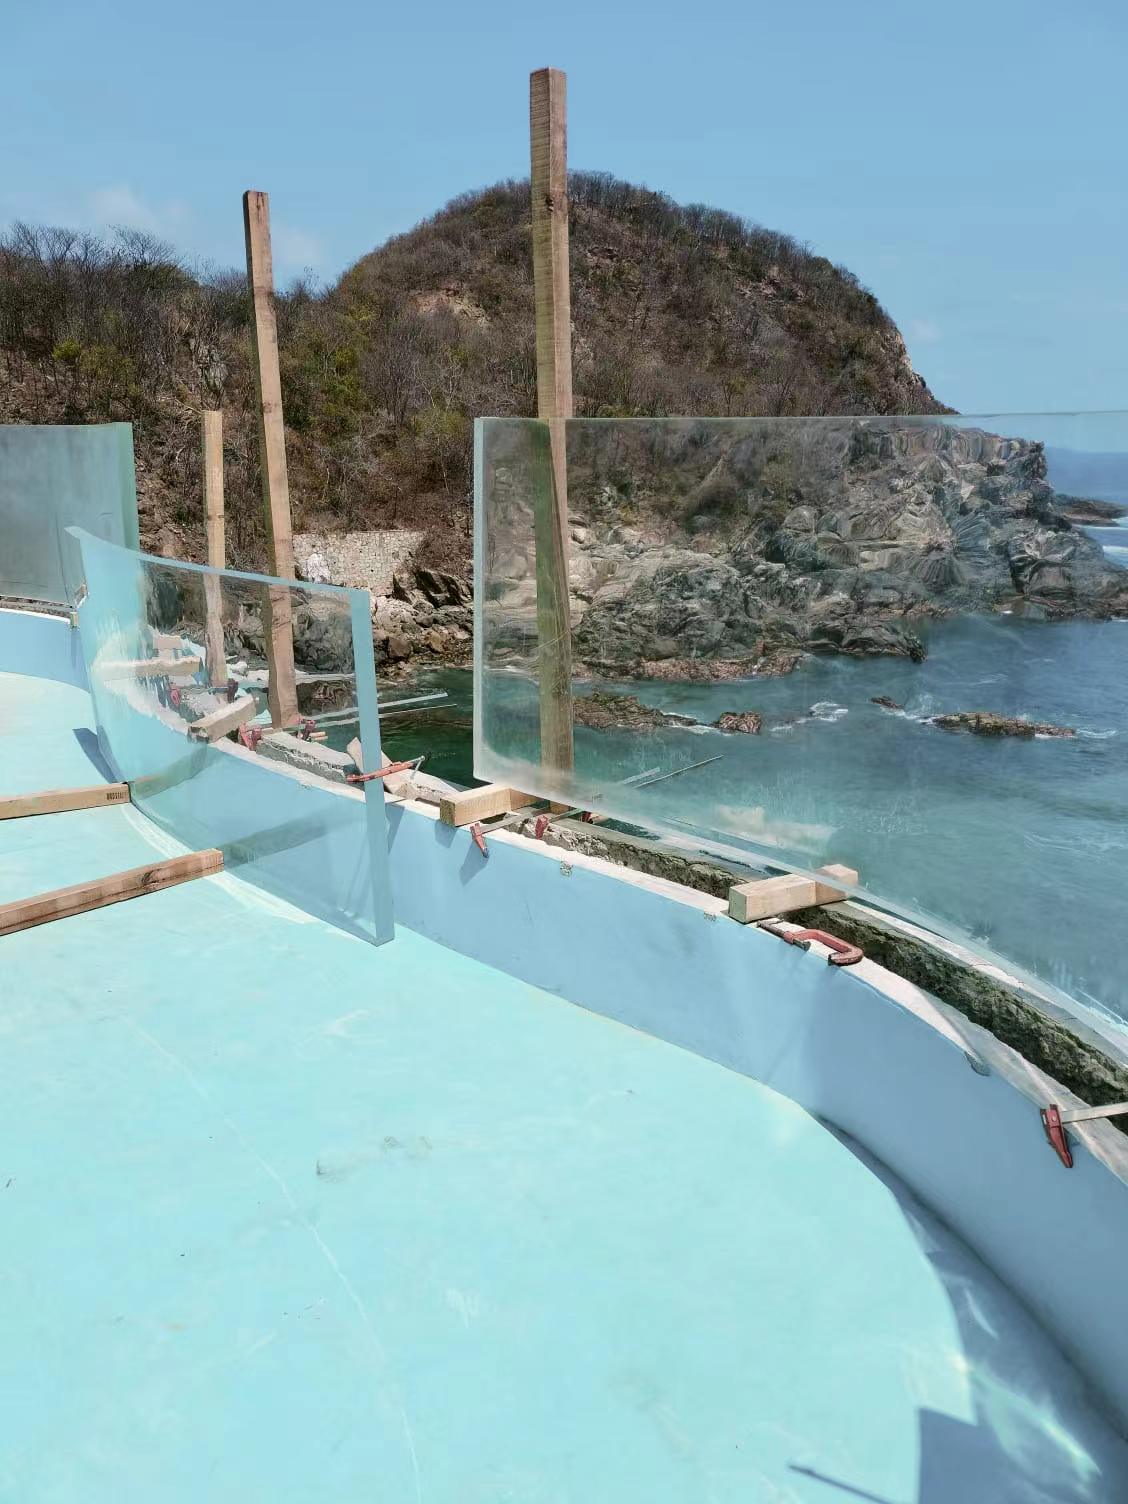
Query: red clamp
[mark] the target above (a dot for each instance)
(388, 772)
(250, 736)
(540, 825)
(479, 839)
(306, 728)
(841, 952)
(1055, 1134)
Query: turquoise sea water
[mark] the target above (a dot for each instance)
(1022, 845)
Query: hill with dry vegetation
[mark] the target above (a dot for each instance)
(675, 310)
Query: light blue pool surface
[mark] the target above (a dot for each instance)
(291, 1217)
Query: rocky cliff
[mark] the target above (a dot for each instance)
(710, 550)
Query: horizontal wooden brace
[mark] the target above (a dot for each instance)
(55, 801)
(61, 903)
(217, 723)
(469, 805)
(149, 668)
(769, 896)
(1090, 1114)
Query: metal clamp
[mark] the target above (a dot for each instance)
(842, 953)
(1055, 1118)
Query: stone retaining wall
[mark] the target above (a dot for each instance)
(365, 561)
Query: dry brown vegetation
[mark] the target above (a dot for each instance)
(675, 309)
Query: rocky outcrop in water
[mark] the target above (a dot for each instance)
(739, 720)
(1088, 510)
(604, 711)
(989, 723)
(885, 702)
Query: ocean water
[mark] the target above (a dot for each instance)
(1114, 540)
(1019, 845)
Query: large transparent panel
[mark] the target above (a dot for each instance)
(899, 644)
(53, 478)
(175, 654)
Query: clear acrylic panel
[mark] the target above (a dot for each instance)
(53, 477)
(175, 655)
(898, 644)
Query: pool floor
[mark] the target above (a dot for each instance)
(287, 1217)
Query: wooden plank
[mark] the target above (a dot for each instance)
(548, 135)
(164, 667)
(217, 723)
(469, 805)
(1090, 1114)
(61, 903)
(282, 695)
(215, 656)
(55, 801)
(769, 896)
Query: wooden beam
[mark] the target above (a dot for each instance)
(55, 801)
(469, 805)
(282, 695)
(149, 668)
(548, 134)
(217, 723)
(769, 896)
(61, 903)
(215, 656)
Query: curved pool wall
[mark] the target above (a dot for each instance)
(892, 1072)
(43, 645)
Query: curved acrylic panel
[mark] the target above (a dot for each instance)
(175, 660)
(782, 631)
(53, 477)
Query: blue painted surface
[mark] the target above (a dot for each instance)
(46, 647)
(289, 1217)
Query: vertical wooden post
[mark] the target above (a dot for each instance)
(548, 113)
(217, 546)
(277, 626)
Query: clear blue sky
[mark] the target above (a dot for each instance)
(966, 160)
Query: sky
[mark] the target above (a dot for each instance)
(966, 161)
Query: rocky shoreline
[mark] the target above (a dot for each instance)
(706, 551)
(603, 710)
